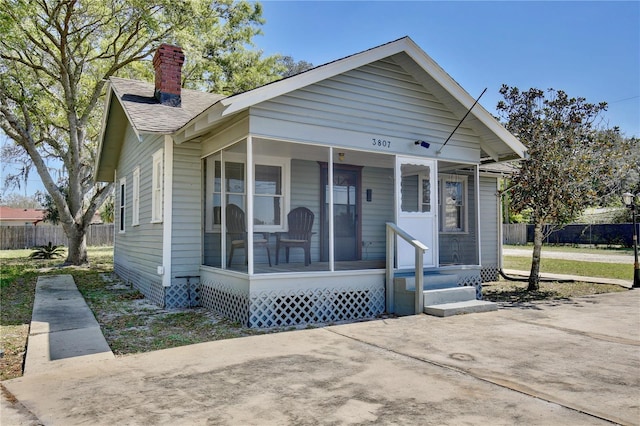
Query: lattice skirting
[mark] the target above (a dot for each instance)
(471, 278)
(308, 306)
(152, 290)
(489, 273)
(225, 300)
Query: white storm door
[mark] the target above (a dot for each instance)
(416, 208)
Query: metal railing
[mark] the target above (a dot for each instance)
(420, 248)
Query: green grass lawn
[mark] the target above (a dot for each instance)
(572, 267)
(575, 249)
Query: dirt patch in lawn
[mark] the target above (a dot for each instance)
(131, 324)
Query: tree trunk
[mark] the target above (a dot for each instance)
(534, 275)
(77, 254)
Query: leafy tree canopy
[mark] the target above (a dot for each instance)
(55, 59)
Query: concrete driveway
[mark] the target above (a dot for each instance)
(575, 362)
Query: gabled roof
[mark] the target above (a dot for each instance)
(147, 115)
(424, 69)
(200, 111)
(132, 101)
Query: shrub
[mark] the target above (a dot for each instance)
(47, 252)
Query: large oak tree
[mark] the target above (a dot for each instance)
(55, 59)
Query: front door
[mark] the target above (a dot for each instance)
(346, 213)
(416, 208)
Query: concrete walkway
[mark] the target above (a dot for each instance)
(570, 363)
(63, 329)
(596, 280)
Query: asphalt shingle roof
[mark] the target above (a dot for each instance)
(147, 115)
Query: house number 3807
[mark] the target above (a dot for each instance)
(382, 143)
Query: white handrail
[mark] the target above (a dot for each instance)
(420, 248)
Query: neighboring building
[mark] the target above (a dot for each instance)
(11, 216)
(358, 141)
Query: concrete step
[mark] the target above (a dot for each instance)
(431, 282)
(449, 295)
(457, 308)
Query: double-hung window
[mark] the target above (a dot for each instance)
(156, 187)
(453, 203)
(269, 202)
(135, 199)
(228, 177)
(122, 204)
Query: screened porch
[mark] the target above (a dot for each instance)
(349, 194)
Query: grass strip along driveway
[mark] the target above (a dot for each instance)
(132, 325)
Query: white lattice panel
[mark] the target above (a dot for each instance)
(225, 300)
(471, 278)
(307, 306)
(489, 273)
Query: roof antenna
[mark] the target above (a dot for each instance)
(465, 116)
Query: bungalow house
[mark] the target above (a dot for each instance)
(210, 188)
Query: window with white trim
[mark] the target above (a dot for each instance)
(156, 187)
(135, 198)
(453, 203)
(122, 204)
(271, 175)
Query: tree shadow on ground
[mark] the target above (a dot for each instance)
(523, 298)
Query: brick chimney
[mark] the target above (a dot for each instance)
(167, 62)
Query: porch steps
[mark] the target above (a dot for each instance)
(455, 301)
(442, 296)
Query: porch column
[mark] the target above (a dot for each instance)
(249, 184)
(331, 234)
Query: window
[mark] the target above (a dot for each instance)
(453, 203)
(415, 189)
(268, 201)
(123, 198)
(135, 206)
(228, 177)
(156, 187)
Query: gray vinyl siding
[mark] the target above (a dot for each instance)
(377, 100)
(376, 212)
(138, 251)
(489, 221)
(305, 191)
(186, 239)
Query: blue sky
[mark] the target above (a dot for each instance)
(587, 49)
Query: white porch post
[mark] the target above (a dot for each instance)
(330, 212)
(249, 215)
(479, 230)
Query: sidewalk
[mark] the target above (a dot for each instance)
(573, 362)
(63, 329)
(596, 280)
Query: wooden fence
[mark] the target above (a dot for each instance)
(21, 237)
(514, 233)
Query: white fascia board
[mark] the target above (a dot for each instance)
(103, 127)
(247, 99)
(199, 124)
(126, 113)
(462, 96)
